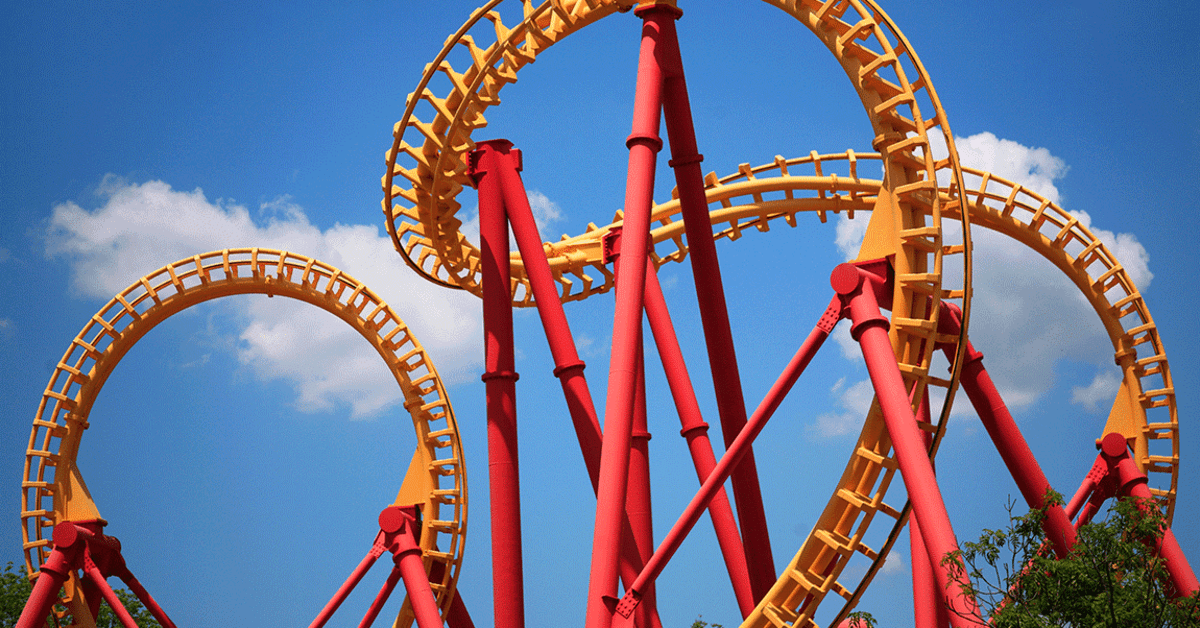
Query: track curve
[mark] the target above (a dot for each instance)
(53, 489)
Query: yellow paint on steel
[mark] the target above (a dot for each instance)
(53, 491)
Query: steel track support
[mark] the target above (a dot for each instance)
(1132, 482)
(644, 145)
(84, 546)
(695, 430)
(733, 456)
(568, 368)
(1005, 434)
(862, 292)
(928, 608)
(710, 295)
(500, 377)
(398, 533)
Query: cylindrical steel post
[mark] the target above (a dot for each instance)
(710, 295)
(1134, 483)
(733, 456)
(567, 365)
(1006, 436)
(638, 502)
(356, 576)
(500, 378)
(147, 600)
(870, 329)
(381, 598)
(695, 430)
(644, 145)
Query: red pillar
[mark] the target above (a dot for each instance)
(710, 294)
(1133, 482)
(1001, 427)
(567, 365)
(644, 145)
(733, 456)
(870, 329)
(500, 377)
(695, 430)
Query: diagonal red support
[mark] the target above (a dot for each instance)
(710, 295)
(695, 430)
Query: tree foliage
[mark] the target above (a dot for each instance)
(1113, 578)
(15, 589)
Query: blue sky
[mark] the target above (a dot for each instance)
(242, 463)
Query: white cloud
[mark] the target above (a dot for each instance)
(1098, 395)
(141, 227)
(853, 402)
(894, 563)
(1026, 314)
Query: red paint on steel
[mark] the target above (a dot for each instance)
(500, 377)
(710, 295)
(733, 456)
(870, 329)
(644, 145)
(567, 365)
(54, 572)
(695, 430)
(1133, 482)
(381, 598)
(929, 609)
(637, 502)
(356, 576)
(1005, 434)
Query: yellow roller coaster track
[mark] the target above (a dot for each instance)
(53, 489)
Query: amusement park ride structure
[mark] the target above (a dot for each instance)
(900, 297)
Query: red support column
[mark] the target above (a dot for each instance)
(695, 430)
(644, 145)
(1133, 482)
(500, 377)
(638, 503)
(68, 546)
(356, 576)
(733, 456)
(567, 365)
(928, 607)
(1001, 427)
(710, 294)
(870, 329)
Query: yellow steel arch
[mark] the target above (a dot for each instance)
(53, 489)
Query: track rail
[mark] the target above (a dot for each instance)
(53, 489)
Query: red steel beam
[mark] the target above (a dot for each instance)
(870, 329)
(1005, 434)
(710, 294)
(733, 456)
(928, 608)
(500, 378)
(1134, 483)
(644, 145)
(507, 163)
(695, 430)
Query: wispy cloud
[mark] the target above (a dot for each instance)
(853, 403)
(140, 227)
(1099, 394)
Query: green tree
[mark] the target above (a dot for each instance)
(1111, 579)
(15, 589)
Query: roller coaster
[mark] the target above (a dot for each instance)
(905, 297)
